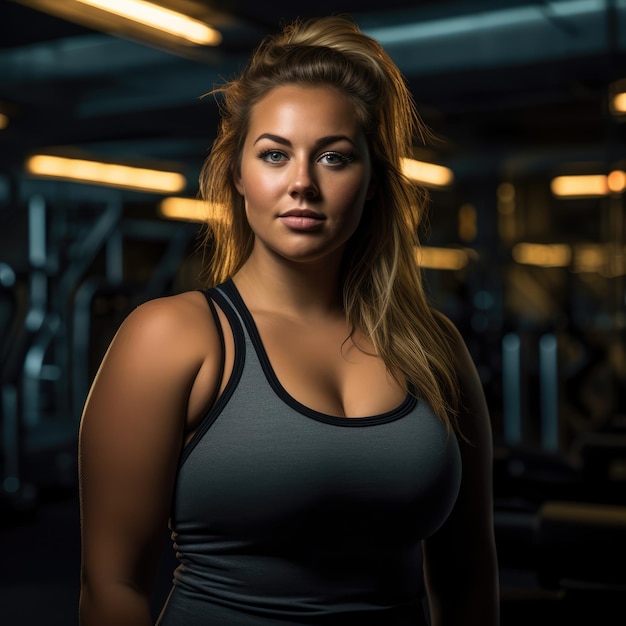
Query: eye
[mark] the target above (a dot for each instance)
(336, 158)
(272, 156)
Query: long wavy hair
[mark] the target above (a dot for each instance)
(382, 286)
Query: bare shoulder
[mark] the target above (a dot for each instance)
(132, 432)
(180, 326)
(170, 315)
(160, 347)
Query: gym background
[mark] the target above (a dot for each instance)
(103, 129)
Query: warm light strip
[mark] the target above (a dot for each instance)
(183, 209)
(542, 255)
(427, 173)
(160, 18)
(589, 258)
(619, 103)
(106, 173)
(616, 181)
(580, 186)
(4, 121)
(190, 209)
(434, 258)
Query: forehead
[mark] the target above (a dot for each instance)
(304, 110)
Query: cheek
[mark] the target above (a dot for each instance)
(352, 198)
(258, 190)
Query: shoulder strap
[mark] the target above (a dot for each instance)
(208, 420)
(220, 331)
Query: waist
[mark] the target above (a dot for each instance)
(304, 588)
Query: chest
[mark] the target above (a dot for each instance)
(266, 471)
(327, 368)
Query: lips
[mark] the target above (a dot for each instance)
(301, 219)
(302, 213)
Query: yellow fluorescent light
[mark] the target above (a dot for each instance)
(619, 102)
(589, 258)
(607, 260)
(616, 181)
(427, 173)
(190, 209)
(542, 255)
(430, 257)
(106, 173)
(4, 121)
(160, 18)
(183, 209)
(580, 186)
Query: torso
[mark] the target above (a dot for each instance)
(316, 360)
(285, 513)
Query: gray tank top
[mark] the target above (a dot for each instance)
(286, 516)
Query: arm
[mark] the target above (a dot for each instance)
(131, 436)
(460, 558)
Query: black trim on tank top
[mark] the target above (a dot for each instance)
(220, 332)
(238, 362)
(407, 405)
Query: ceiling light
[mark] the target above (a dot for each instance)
(158, 17)
(191, 210)
(4, 121)
(111, 174)
(428, 174)
(467, 222)
(580, 186)
(608, 260)
(589, 258)
(618, 103)
(429, 257)
(616, 181)
(186, 209)
(542, 255)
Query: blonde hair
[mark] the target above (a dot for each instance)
(382, 286)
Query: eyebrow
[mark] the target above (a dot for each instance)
(322, 141)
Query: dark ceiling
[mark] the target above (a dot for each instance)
(512, 88)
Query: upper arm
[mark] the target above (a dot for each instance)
(461, 556)
(130, 439)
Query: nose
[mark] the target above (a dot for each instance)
(303, 183)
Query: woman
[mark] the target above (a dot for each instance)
(316, 435)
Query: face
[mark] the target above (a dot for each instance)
(304, 173)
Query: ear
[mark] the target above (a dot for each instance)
(238, 182)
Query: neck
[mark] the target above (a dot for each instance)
(302, 288)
